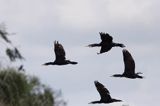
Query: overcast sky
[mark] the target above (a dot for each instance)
(77, 23)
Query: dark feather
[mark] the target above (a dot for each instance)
(129, 66)
(105, 37)
(60, 56)
(129, 63)
(106, 43)
(104, 93)
(59, 51)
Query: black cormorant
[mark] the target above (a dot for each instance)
(60, 56)
(106, 43)
(104, 94)
(129, 66)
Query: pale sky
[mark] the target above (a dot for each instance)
(77, 23)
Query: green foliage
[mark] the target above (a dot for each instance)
(12, 52)
(18, 89)
(3, 33)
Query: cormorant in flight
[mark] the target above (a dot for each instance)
(60, 56)
(129, 66)
(104, 94)
(106, 43)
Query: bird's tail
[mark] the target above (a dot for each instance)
(72, 62)
(139, 73)
(138, 76)
(93, 45)
(117, 100)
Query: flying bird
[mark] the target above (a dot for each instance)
(104, 94)
(129, 66)
(106, 43)
(60, 56)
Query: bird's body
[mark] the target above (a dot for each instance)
(106, 43)
(104, 94)
(60, 56)
(129, 66)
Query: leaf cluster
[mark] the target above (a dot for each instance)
(18, 89)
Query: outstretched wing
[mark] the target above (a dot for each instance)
(105, 37)
(129, 63)
(59, 51)
(104, 93)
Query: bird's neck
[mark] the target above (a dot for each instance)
(117, 75)
(49, 63)
(94, 102)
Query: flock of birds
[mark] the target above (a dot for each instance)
(106, 44)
